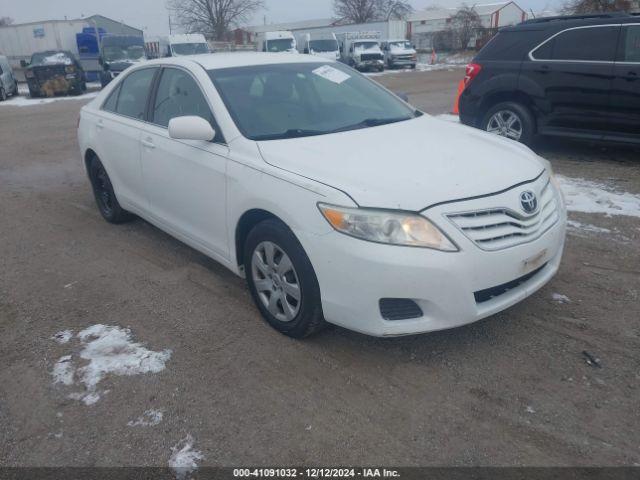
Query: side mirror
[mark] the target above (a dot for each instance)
(402, 95)
(24, 64)
(191, 128)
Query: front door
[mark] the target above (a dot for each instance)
(185, 181)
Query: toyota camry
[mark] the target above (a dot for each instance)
(337, 201)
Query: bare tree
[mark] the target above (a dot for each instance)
(464, 25)
(4, 21)
(363, 11)
(393, 9)
(580, 7)
(213, 18)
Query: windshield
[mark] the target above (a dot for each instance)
(323, 45)
(113, 53)
(365, 45)
(279, 45)
(270, 102)
(180, 49)
(51, 58)
(400, 45)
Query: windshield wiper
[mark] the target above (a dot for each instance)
(370, 122)
(291, 133)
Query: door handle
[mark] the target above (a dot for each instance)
(148, 144)
(631, 76)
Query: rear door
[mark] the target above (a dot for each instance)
(118, 135)
(625, 95)
(573, 71)
(185, 180)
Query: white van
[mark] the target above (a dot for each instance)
(399, 53)
(279, 41)
(323, 45)
(8, 82)
(181, 45)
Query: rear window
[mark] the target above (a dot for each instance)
(631, 42)
(590, 44)
(510, 45)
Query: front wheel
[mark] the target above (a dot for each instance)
(105, 197)
(282, 281)
(511, 120)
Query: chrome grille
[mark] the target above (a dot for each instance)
(499, 228)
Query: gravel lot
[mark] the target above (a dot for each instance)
(515, 389)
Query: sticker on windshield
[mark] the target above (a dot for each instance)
(332, 74)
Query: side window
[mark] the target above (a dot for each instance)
(179, 95)
(132, 100)
(595, 44)
(545, 51)
(632, 44)
(110, 104)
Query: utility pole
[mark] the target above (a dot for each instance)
(170, 32)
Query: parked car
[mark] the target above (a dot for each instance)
(280, 168)
(399, 53)
(8, 82)
(54, 72)
(361, 50)
(573, 76)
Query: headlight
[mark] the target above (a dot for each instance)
(381, 226)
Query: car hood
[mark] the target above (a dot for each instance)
(408, 165)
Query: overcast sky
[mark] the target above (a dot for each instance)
(152, 15)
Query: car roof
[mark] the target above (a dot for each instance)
(214, 61)
(571, 21)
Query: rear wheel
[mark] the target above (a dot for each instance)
(282, 281)
(106, 199)
(511, 120)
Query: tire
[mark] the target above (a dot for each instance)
(105, 197)
(497, 117)
(296, 318)
(3, 94)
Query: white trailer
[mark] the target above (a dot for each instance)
(19, 42)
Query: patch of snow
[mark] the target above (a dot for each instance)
(63, 371)
(592, 197)
(69, 285)
(30, 102)
(184, 457)
(559, 298)
(587, 227)
(57, 59)
(530, 409)
(63, 336)
(150, 418)
(108, 350)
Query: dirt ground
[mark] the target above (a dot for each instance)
(514, 389)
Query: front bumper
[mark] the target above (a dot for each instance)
(366, 64)
(354, 275)
(402, 62)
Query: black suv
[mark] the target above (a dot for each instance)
(576, 76)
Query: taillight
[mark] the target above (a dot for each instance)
(472, 71)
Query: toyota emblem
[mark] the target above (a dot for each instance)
(528, 201)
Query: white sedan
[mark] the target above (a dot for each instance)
(336, 200)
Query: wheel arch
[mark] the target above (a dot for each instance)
(505, 96)
(247, 221)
